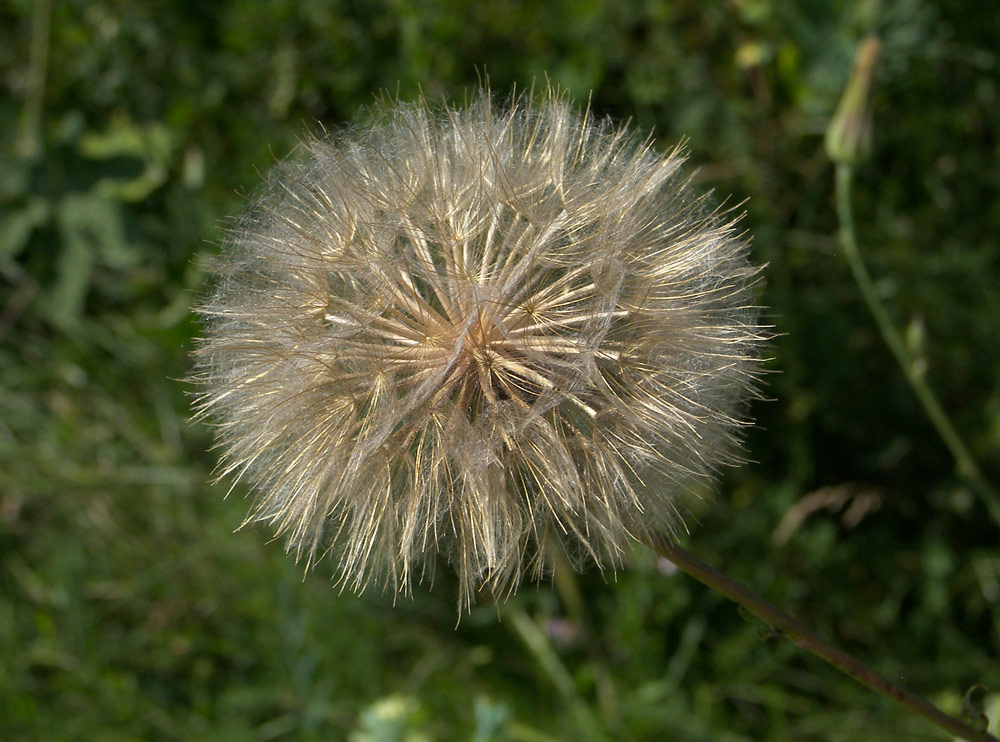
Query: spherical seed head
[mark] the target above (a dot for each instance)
(481, 332)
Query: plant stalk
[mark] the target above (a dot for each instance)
(29, 140)
(807, 639)
(967, 466)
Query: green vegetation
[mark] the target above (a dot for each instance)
(130, 610)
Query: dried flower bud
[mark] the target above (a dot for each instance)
(475, 332)
(849, 136)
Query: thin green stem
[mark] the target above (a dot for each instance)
(807, 639)
(967, 466)
(549, 661)
(30, 137)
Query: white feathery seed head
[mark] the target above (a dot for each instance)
(478, 332)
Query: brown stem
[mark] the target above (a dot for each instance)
(807, 639)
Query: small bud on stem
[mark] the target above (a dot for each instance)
(849, 136)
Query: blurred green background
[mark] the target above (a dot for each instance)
(130, 610)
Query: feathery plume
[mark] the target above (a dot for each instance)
(476, 332)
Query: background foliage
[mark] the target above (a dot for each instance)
(130, 610)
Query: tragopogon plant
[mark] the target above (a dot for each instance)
(477, 332)
(474, 332)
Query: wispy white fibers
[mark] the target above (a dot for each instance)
(476, 332)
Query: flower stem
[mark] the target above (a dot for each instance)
(807, 639)
(967, 466)
(549, 661)
(29, 138)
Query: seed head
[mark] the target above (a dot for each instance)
(479, 332)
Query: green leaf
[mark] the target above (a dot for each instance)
(16, 229)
